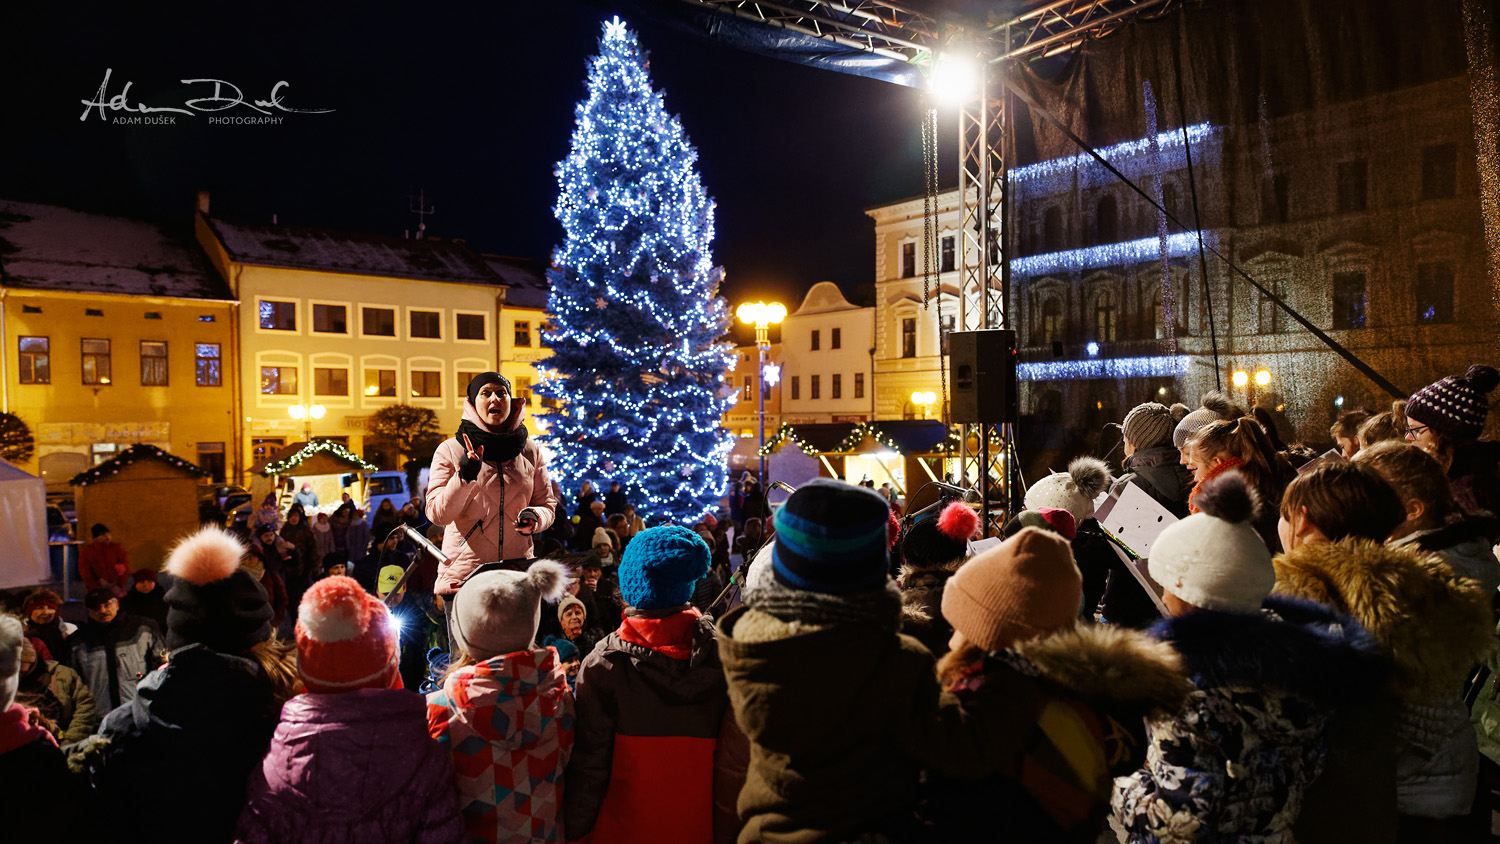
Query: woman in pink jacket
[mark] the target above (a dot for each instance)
(488, 485)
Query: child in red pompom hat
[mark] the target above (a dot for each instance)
(352, 758)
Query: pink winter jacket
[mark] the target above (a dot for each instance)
(459, 504)
(353, 768)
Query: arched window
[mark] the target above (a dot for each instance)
(1106, 220)
(1104, 316)
(1155, 321)
(1049, 326)
(1052, 229)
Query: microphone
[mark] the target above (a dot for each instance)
(787, 488)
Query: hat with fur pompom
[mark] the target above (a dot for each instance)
(935, 540)
(1214, 559)
(497, 612)
(1456, 406)
(346, 639)
(660, 567)
(213, 601)
(1074, 490)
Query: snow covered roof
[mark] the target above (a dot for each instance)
(45, 247)
(326, 250)
(528, 284)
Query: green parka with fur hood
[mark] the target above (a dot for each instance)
(1435, 626)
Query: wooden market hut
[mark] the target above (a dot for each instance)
(327, 465)
(907, 453)
(147, 497)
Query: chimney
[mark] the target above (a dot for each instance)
(203, 202)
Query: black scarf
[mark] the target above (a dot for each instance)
(498, 448)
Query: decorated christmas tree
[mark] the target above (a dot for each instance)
(635, 315)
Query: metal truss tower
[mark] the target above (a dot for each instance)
(904, 34)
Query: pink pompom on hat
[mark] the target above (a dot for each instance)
(346, 639)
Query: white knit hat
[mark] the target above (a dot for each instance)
(1214, 559)
(1073, 491)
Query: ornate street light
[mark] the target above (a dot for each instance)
(762, 315)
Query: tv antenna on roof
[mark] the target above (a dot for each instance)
(418, 205)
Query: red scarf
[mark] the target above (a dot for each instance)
(1229, 463)
(671, 636)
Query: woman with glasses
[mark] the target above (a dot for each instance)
(1446, 420)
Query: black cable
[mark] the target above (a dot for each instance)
(1187, 148)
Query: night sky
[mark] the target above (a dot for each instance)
(473, 104)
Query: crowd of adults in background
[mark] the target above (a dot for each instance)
(1308, 655)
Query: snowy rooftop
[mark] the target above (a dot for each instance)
(528, 284)
(44, 247)
(326, 250)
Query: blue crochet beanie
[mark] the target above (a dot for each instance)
(660, 566)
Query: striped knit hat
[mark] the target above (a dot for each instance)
(346, 639)
(831, 537)
(1456, 406)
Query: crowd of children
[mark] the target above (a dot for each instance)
(1304, 657)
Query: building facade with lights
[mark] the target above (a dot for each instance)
(112, 332)
(351, 323)
(911, 314)
(522, 319)
(1372, 234)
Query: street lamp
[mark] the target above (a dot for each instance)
(762, 315)
(924, 400)
(307, 414)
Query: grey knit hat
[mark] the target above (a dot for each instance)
(497, 612)
(1150, 424)
(12, 637)
(1216, 406)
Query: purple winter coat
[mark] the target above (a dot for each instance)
(353, 768)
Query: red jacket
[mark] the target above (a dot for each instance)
(104, 564)
(651, 704)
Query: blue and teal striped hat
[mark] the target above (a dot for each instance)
(831, 537)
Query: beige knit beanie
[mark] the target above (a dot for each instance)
(1026, 587)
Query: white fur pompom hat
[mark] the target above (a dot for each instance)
(1073, 490)
(497, 612)
(214, 601)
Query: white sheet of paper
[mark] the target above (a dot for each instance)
(979, 546)
(1142, 573)
(1137, 519)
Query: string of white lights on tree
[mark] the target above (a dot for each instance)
(635, 315)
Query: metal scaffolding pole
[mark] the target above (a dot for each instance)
(981, 188)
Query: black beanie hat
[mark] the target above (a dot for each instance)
(478, 382)
(831, 537)
(213, 601)
(925, 544)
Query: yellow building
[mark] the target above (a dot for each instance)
(352, 323)
(112, 333)
(523, 317)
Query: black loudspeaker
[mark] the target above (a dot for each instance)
(982, 376)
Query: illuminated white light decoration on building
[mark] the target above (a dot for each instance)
(1147, 367)
(772, 374)
(1109, 255)
(1169, 143)
(1092, 348)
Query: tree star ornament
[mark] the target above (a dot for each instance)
(600, 303)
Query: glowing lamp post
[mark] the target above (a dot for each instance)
(307, 414)
(762, 315)
(1241, 378)
(923, 400)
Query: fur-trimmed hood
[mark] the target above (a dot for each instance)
(1292, 646)
(1433, 624)
(1119, 668)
